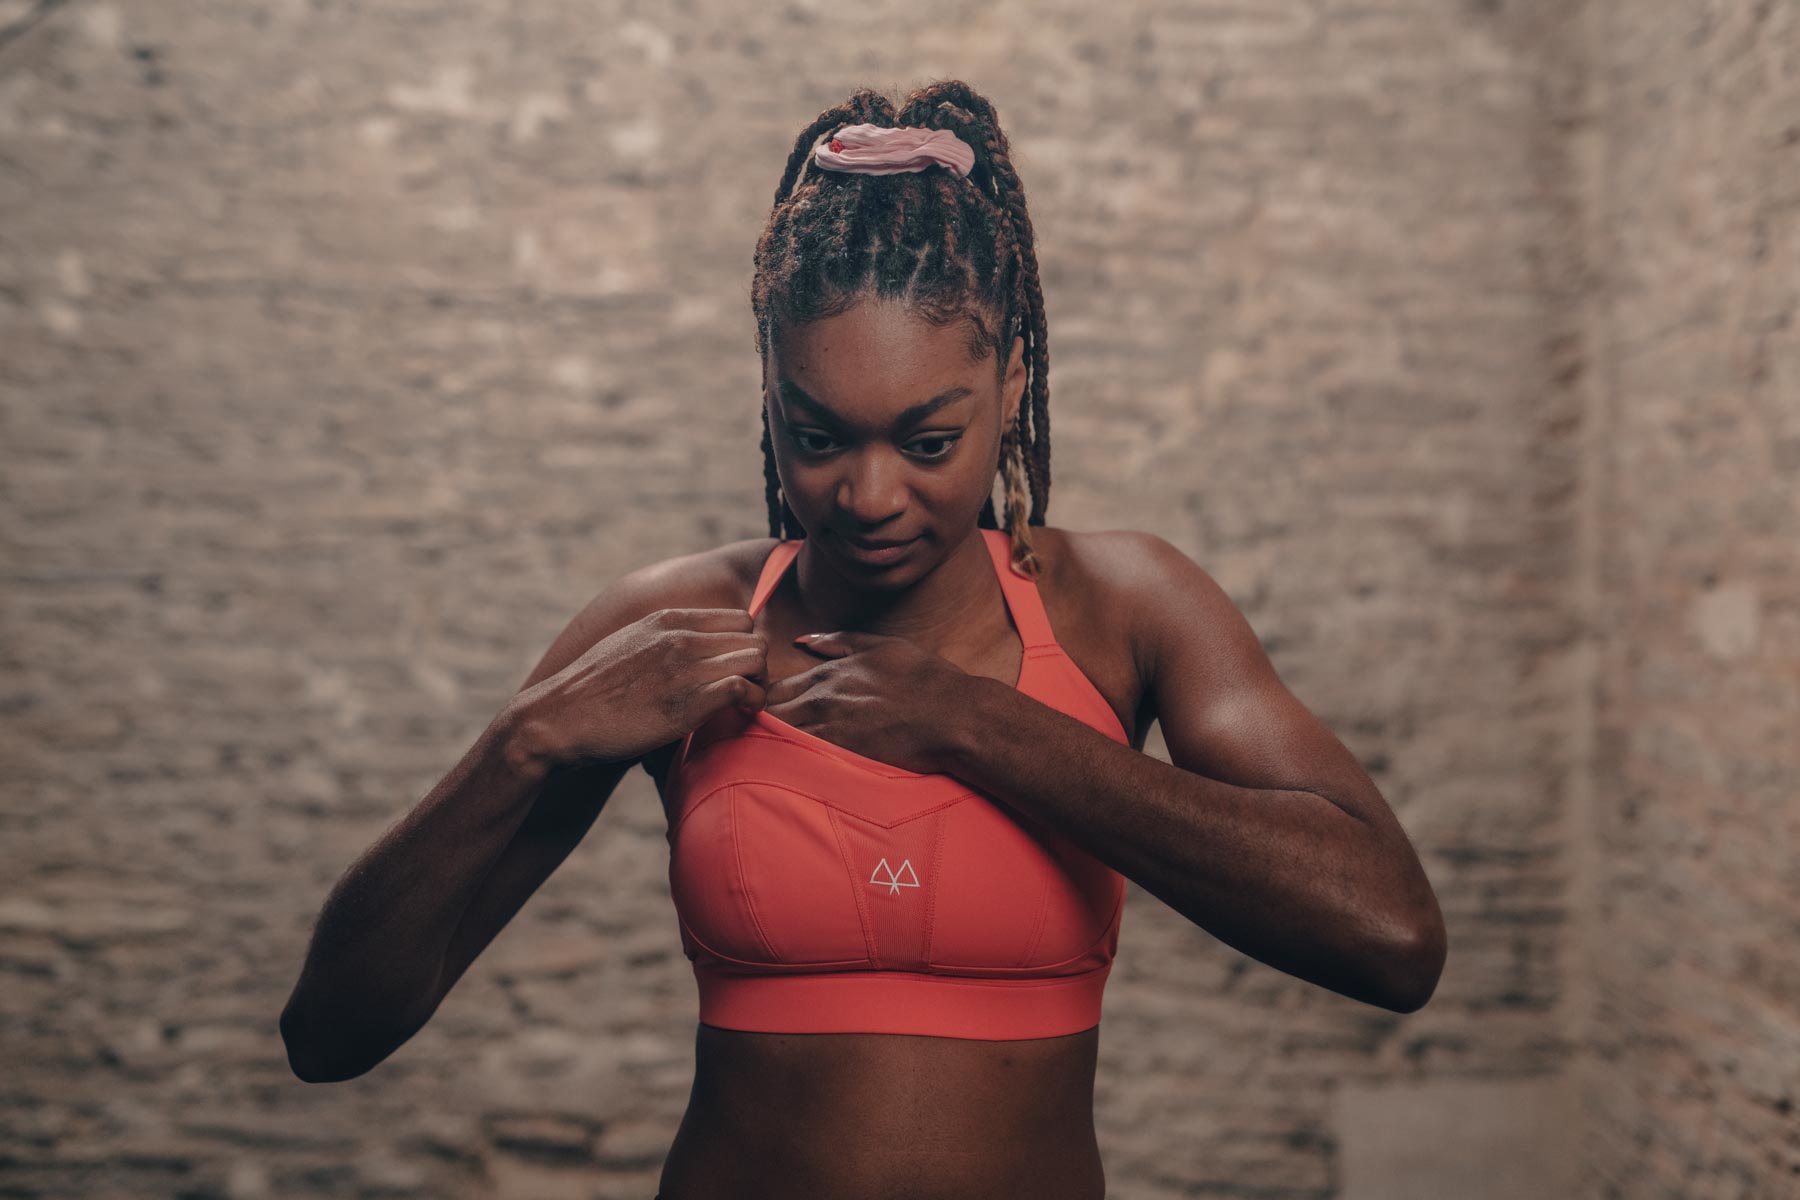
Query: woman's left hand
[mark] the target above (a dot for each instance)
(882, 697)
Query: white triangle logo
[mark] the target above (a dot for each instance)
(905, 878)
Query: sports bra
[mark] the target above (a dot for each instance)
(821, 891)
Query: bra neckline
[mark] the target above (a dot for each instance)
(1024, 604)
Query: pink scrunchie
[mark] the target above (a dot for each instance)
(880, 150)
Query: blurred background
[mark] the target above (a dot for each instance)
(347, 349)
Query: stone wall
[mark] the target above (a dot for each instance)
(346, 350)
(1692, 1067)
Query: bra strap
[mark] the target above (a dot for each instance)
(772, 567)
(1021, 591)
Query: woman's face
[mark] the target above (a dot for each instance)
(884, 430)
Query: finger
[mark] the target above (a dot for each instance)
(718, 641)
(728, 690)
(749, 661)
(840, 642)
(826, 645)
(704, 647)
(708, 620)
(752, 697)
(792, 687)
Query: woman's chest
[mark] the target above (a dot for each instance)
(788, 851)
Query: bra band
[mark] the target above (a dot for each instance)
(1023, 599)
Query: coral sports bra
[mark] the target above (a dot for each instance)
(820, 891)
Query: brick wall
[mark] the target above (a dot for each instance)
(1692, 1065)
(346, 350)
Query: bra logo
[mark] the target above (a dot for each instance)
(895, 882)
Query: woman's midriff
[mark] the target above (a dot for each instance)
(873, 1116)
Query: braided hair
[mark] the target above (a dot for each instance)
(954, 249)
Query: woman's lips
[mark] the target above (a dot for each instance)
(877, 555)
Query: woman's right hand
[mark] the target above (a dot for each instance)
(644, 686)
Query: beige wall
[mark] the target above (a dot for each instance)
(346, 350)
(1689, 946)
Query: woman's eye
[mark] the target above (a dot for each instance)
(927, 448)
(946, 443)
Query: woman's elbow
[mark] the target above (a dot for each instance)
(315, 1057)
(1417, 965)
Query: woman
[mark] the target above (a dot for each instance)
(898, 847)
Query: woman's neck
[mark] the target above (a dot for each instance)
(936, 610)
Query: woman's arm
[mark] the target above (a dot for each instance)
(418, 906)
(1264, 830)
(371, 975)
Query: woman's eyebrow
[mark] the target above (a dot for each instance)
(792, 393)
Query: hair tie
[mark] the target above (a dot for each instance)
(885, 150)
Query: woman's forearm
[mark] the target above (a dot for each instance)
(371, 975)
(1286, 876)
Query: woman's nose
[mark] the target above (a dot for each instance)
(875, 489)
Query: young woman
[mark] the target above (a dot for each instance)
(898, 848)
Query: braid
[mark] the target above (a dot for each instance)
(957, 250)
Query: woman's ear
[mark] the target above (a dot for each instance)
(1012, 389)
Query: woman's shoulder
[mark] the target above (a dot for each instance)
(1138, 577)
(721, 576)
(1099, 593)
(1110, 565)
(1099, 571)
(1146, 591)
